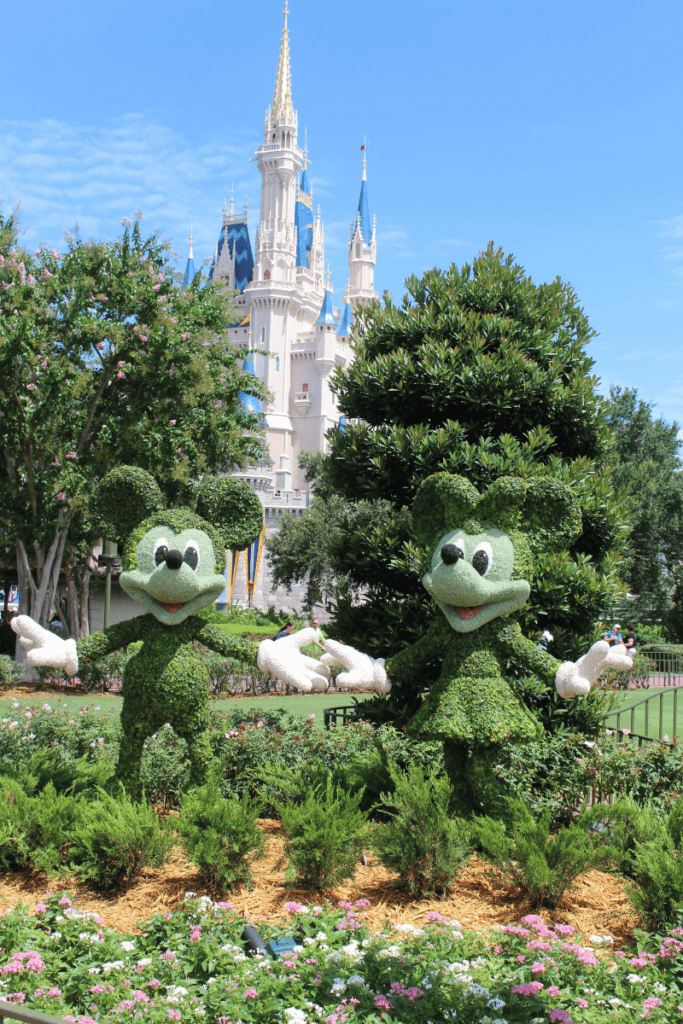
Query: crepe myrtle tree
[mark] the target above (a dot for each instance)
(481, 373)
(104, 361)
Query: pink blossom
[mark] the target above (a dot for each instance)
(54, 993)
(156, 287)
(16, 997)
(224, 906)
(538, 968)
(251, 993)
(55, 255)
(154, 983)
(168, 955)
(44, 364)
(565, 929)
(184, 337)
(71, 455)
(652, 1003)
(560, 1015)
(382, 1003)
(100, 344)
(121, 362)
(120, 375)
(582, 1004)
(174, 1014)
(554, 991)
(172, 422)
(521, 959)
(292, 907)
(161, 298)
(31, 387)
(40, 908)
(61, 496)
(531, 988)
(143, 337)
(434, 916)
(97, 989)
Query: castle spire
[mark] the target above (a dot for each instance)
(283, 109)
(188, 276)
(231, 214)
(191, 255)
(363, 215)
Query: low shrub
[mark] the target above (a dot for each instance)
(420, 841)
(539, 865)
(116, 838)
(324, 836)
(9, 670)
(165, 769)
(219, 835)
(657, 889)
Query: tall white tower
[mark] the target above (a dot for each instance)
(362, 251)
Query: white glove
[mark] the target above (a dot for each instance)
(362, 670)
(283, 658)
(576, 678)
(45, 650)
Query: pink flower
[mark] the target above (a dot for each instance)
(61, 496)
(174, 1014)
(156, 287)
(582, 1004)
(382, 1003)
(224, 906)
(31, 387)
(54, 993)
(120, 375)
(251, 993)
(291, 908)
(96, 989)
(554, 991)
(40, 908)
(55, 255)
(434, 916)
(44, 364)
(121, 362)
(172, 422)
(184, 337)
(560, 1015)
(521, 959)
(538, 968)
(652, 1003)
(143, 337)
(100, 344)
(71, 455)
(168, 955)
(531, 988)
(154, 983)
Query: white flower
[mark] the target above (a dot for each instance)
(56, 935)
(635, 979)
(495, 1004)
(145, 960)
(128, 947)
(338, 986)
(334, 957)
(351, 949)
(479, 990)
(409, 928)
(93, 970)
(200, 1011)
(175, 993)
(321, 936)
(658, 987)
(308, 941)
(188, 895)
(614, 1002)
(115, 965)
(295, 1016)
(356, 979)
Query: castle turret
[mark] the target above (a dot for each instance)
(190, 272)
(362, 251)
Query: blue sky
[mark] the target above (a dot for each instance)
(553, 129)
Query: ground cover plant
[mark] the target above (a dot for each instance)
(190, 965)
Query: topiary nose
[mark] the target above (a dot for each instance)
(174, 559)
(449, 554)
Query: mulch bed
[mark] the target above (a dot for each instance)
(597, 904)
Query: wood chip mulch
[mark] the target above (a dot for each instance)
(597, 904)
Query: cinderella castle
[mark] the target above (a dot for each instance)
(286, 310)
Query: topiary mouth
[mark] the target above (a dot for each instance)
(469, 613)
(173, 607)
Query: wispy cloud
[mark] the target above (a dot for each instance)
(63, 175)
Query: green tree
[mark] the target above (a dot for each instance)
(105, 361)
(645, 465)
(479, 372)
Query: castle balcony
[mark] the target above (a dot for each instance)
(302, 402)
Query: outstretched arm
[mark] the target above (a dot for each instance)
(532, 657)
(113, 638)
(226, 645)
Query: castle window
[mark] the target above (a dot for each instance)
(266, 276)
(304, 387)
(277, 363)
(357, 250)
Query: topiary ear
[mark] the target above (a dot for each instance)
(122, 500)
(500, 504)
(442, 503)
(551, 515)
(232, 508)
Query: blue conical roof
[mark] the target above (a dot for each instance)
(303, 218)
(346, 322)
(236, 237)
(250, 402)
(188, 276)
(364, 212)
(326, 311)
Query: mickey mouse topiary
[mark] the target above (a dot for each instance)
(172, 560)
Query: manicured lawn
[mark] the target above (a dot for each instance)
(304, 704)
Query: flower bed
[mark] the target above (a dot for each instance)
(191, 965)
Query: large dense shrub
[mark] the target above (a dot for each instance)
(482, 373)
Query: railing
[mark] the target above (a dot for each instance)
(645, 737)
(347, 713)
(26, 1016)
(666, 663)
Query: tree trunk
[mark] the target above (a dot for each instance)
(38, 586)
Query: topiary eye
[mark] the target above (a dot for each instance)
(482, 559)
(160, 551)
(191, 555)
